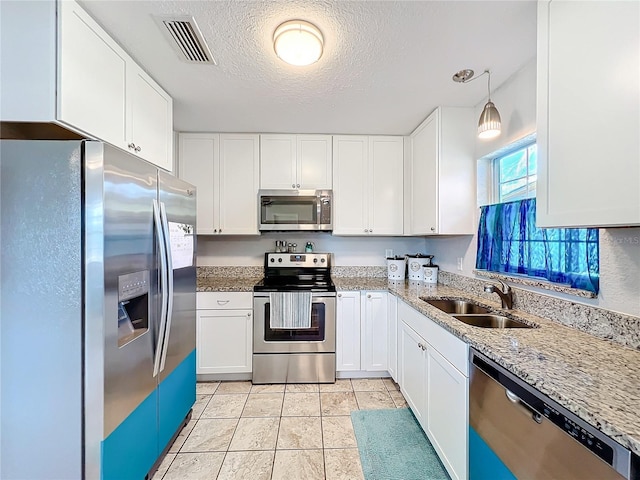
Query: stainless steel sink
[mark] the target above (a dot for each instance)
(457, 306)
(491, 321)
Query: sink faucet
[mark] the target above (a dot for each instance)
(505, 293)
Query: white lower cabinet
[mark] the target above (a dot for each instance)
(392, 337)
(447, 407)
(362, 331)
(413, 372)
(348, 331)
(224, 332)
(433, 377)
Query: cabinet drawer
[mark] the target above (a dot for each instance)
(456, 351)
(224, 300)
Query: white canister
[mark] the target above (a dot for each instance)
(430, 273)
(414, 267)
(396, 268)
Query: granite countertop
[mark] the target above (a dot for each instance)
(596, 379)
(226, 284)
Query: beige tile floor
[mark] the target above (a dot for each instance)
(301, 432)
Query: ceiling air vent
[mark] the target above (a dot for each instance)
(186, 39)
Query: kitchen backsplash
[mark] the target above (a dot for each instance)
(618, 327)
(230, 272)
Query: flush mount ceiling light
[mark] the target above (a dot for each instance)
(298, 42)
(489, 124)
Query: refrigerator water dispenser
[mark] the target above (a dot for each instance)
(133, 306)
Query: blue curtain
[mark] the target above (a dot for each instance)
(509, 242)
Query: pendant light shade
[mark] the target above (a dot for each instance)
(298, 42)
(489, 125)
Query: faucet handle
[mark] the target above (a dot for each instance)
(505, 288)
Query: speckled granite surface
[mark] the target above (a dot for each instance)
(618, 327)
(596, 379)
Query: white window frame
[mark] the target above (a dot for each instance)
(495, 172)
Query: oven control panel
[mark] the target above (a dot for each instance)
(298, 260)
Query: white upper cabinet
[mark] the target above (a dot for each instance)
(62, 67)
(92, 77)
(587, 132)
(295, 161)
(150, 122)
(441, 190)
(224, 168)
(368, 185)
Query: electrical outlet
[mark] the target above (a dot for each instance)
(388, 253)
(460, 263)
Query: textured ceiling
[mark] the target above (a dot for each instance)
(386, 65)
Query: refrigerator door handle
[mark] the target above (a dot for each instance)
(169, 270)
(162, 248)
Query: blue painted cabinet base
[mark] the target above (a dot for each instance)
(130, 451)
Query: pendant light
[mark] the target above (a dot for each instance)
(489, 124)
(298, 42)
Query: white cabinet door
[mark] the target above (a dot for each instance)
(150, 121)
(375, 335)
(224, 341)
(442, 174)
(392, 331)
(92, 77)
(447, 414)
(588, 149)
(238, 184)
(386, 185)
(367, 185)
(350, 189)
(424, 176)
(198, 153)
(413, 372)
(224, 169)
(348, 331)
(277, 161)
(313, 166)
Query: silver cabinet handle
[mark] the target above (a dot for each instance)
(433, 229)
(365, 230)
(220, 231)
(249, 314)
(215, 230)
(339, 295)
(369, 296)
(293, 185)
(138, 148)
(132, 146)
(222, 302)
(298, 185)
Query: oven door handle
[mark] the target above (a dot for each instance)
(314, 296)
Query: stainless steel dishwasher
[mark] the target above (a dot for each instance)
(517, 432)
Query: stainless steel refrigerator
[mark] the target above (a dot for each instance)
(97, 328)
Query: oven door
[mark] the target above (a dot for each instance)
(321, 337)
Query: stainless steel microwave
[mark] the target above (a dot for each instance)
(292, 210)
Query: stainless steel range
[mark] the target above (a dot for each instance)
(294, 312)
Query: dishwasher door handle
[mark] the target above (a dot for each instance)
(526, 409)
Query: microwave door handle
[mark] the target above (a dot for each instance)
(163, 287)
(169, 265)
(318, 211)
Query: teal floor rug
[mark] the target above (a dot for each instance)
(392, 446)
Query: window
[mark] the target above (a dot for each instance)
(516, 174)
(509, 241)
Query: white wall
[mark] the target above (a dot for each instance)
(619, 248)
(249, 251)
